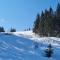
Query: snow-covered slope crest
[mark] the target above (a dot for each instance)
(27, 34)
(32, 36)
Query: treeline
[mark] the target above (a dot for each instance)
(48, 23)
(3, 30)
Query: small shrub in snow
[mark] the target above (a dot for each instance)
(35, 45)
(49, 51)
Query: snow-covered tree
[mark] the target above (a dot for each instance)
(49, 51)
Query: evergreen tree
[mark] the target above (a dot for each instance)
(36, 24)
(2, 29)
(41, 26)
(50, 21)
(47, 22)
(29, 29)
(58, 17)
(13, 30)
(49, 51)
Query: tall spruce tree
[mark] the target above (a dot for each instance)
(50, 20)
(36, 24)
(42, 31)
(46, 23)
(58, 17)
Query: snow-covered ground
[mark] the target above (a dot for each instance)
(21, 46)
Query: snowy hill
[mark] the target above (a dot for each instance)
(32, 36)
(21, 46)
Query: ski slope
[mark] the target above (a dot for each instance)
(21, 46)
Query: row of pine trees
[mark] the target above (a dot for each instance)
(48, 23)
(3, 30)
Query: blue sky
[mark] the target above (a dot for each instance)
(20, 14)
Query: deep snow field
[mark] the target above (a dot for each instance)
(21, 46)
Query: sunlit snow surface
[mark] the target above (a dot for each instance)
(21, 46)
